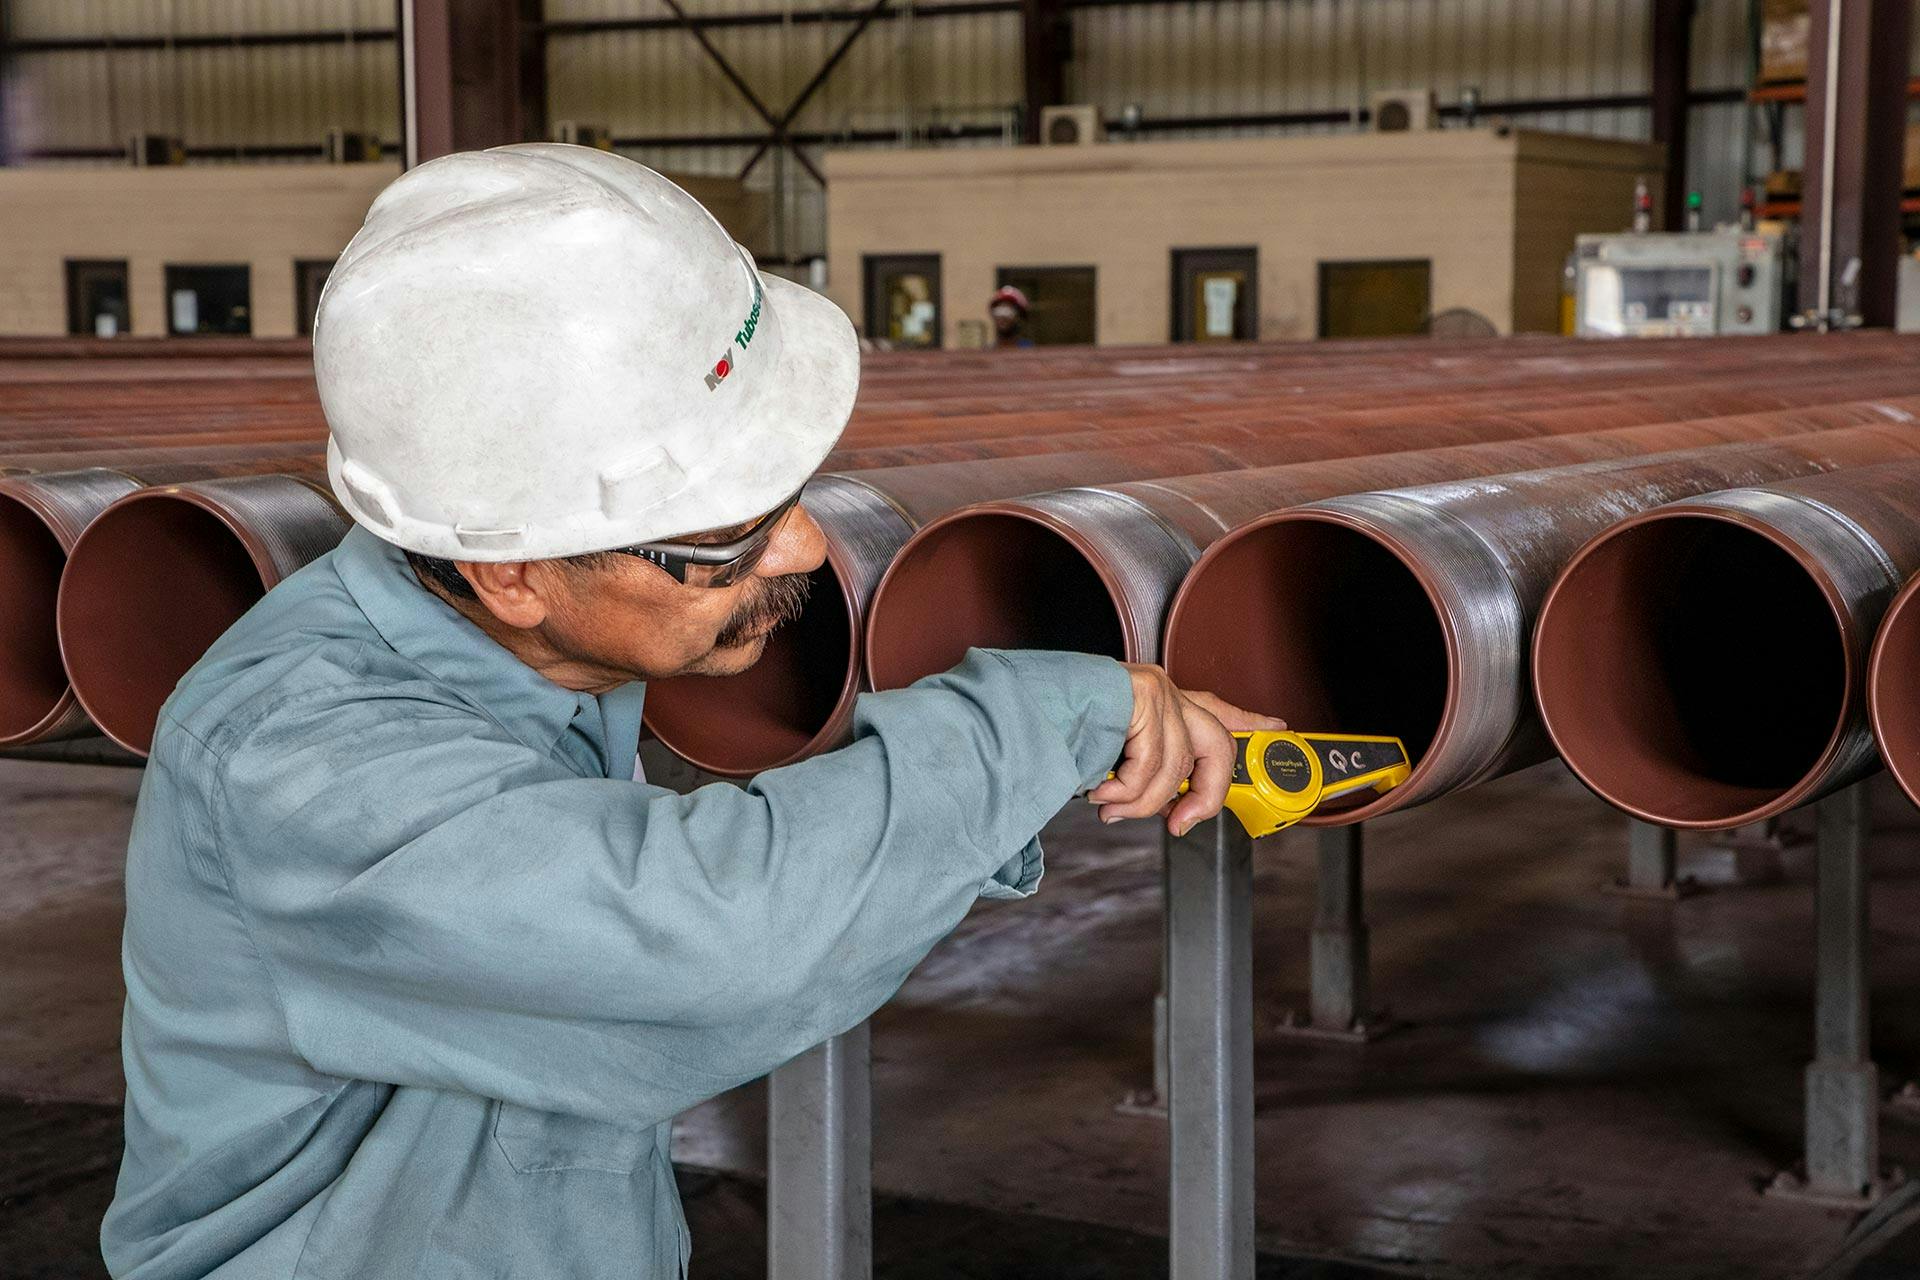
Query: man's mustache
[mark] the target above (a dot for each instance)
(777, 602)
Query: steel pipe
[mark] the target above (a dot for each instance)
(1703, 664)
(1123, 549)
(158, 575)
(42, 515)
(1409, 611)
(1893, 689)
(799, 699)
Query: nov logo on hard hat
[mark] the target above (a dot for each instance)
(744, 335)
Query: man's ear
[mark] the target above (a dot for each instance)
(510, 591)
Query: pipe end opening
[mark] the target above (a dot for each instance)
(777, 710)
(33, 681)
(1319, 624)
(1691, 671)
(150, 585)
(989, 579)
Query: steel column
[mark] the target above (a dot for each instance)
(1672, 41)
(820, 1162)
(1653, 864)
(1210, 1013)
(1843, 1086)
(531, 44)
(1340, 977)
(1855, 131)
(1045, 39)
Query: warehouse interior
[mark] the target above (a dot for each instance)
(1520, 398)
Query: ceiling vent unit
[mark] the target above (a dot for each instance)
(151, 150)
(1072, 126)
(344, 147)
(583, 135)
(1404, 110)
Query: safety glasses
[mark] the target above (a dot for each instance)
(714, 564)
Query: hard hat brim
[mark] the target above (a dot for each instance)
(811, 391)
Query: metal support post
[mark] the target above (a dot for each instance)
(1653, 869)
(1843, 1088)
(820, 1163)
(1152, 1101)
(1340, 982)
(1210, 1014)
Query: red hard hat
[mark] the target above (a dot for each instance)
(1008, 294)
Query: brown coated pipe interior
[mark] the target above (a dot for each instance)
(149, 587)
(1692, 671)
(1895, 690)
(998, 579)
(33, 683)
(776, 711)
(1319, 624)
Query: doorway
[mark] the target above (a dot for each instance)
(309, 278)
(97, 297)
(209, 299)
(1216, 295)
(1389, 298)
(1062, 300)
(903, 298)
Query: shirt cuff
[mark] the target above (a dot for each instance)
(1088, 698)
(1019, 877)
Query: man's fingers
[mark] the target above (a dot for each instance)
(1158, 786)
(1236, 718)
(1206, 793)
(1145, 753)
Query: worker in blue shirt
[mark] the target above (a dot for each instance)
(417, 973)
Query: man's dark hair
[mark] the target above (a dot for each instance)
(447, 576)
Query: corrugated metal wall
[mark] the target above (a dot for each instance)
(914, 76)
(266, 97)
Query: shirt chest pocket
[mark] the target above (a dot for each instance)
(546, 1142)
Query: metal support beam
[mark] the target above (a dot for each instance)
(1842, 1164)
(460, 76)
(1653, 865)
(1210, 1013)
(1855, 131)
(1152, 1101)
(820, 1163)
(7, 145)
(1340, 977)
(1046, 38)
(532, 78)
(779, 136)
(1672, 41)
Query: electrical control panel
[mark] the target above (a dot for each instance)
(1678, 284)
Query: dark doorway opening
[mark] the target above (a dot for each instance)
(209, 299)
(1064, 302)
(97, 298)
(309, 278)
(1216, 295)
(1375, 299)
(903, 298)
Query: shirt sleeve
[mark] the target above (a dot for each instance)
(440, 905)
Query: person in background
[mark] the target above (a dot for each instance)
(1009, 308)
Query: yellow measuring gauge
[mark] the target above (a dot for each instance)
(1280, 777)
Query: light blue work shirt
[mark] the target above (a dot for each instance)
(417, 976)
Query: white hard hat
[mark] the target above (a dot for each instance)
(544, 350)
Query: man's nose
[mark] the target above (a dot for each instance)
(797, 546)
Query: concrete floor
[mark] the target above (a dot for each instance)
(1587, 1086)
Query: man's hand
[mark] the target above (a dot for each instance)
(1174, 737)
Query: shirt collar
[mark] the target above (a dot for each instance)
(425, 629)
